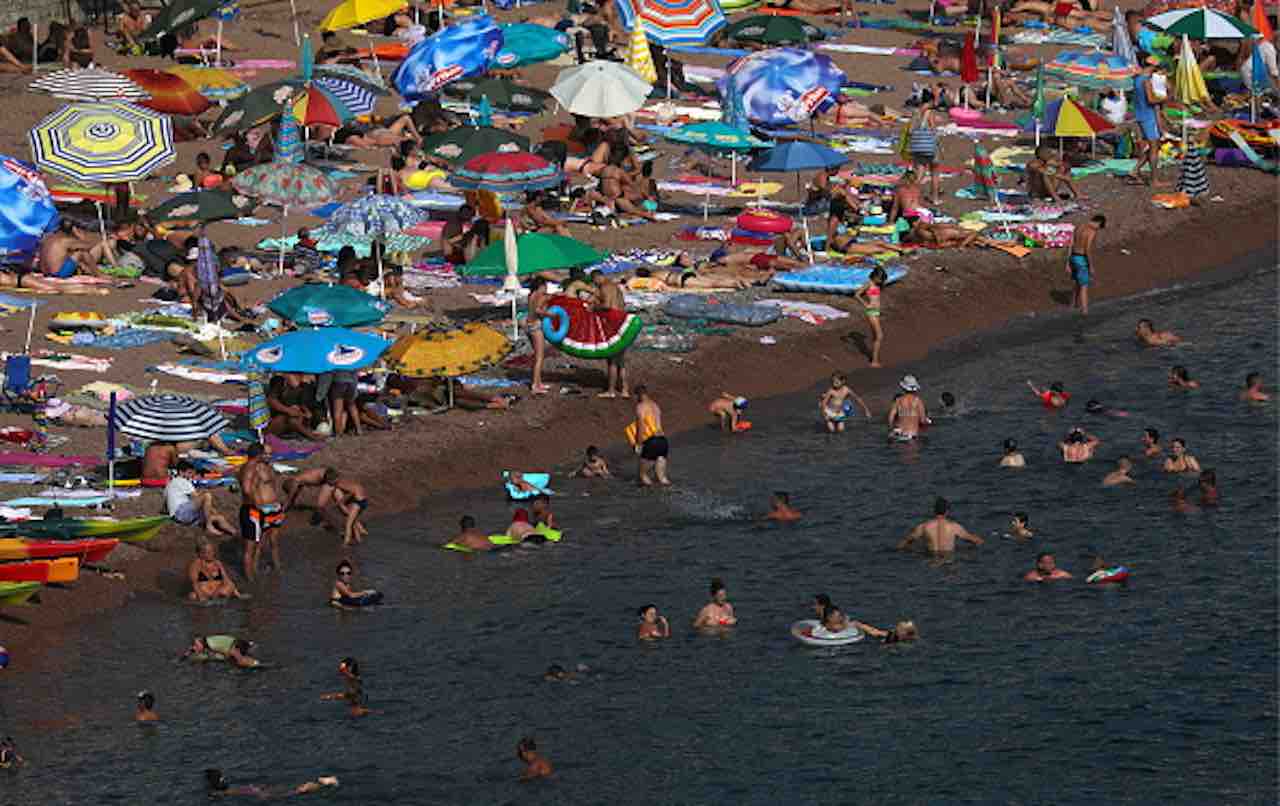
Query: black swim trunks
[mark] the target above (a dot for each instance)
(654, 448)
(248, 526)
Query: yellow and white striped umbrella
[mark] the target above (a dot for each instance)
(102, 143)
(638, 56)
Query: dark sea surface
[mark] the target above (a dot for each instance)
(1160, 691)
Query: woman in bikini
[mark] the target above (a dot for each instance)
(533, 325)
(209, 577)
(869, 296)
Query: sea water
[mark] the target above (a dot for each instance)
(1159, 691)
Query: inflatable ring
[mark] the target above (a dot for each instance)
(556, 333)
(764, 221)
(1108, 576)
(805, 631)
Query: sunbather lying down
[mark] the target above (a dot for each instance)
(944, 236)
(848, 245)
(37, 283)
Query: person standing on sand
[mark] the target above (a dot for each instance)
(1146, 113)
(1080, 261)
(261, 512)
(939, 533)
(609, 297)
(533, 326)
(869, 296)
(648, 440)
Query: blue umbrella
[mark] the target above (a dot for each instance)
(797, 155)
(782, 86)
(26, 210)
(731, 101)
(320, 305)
(375, 215)
(1258, 68)
(525, 43)
(464, 49)
(326, 349)
(208, 272)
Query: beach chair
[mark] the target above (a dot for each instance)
(21, 393)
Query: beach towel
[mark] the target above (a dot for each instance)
(39, 501)
(815, 313)
(22, 478)
(130, 338)
(70, 361)
(200, 374)
(1017, 250)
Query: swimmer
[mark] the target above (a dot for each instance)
(556, 673)
(239, 655)
(1252, 391)
(1121, 474)
(1151, 443)
(145, 710)
(1096, 407)
(902, 631)
(1179, 503)
(471, 537)
(1179, 378)
(351, 500)
(1054, 397)
(1046, 569)
(939, 533)
(9, 756)
(948, 400)
(219, 787)
(1012, 456)
(1208, 486)
(540, 511)
(833, 621)
(1148, 336)
(343, 595)
(349, 670)
(780, 508)
(535, 765)
(717, 613)
(1179, 461)
(1078, 446)
(652, 626)
(907, 415)
(833, 402)
(1020, 526)
(728, 408)
(821, 602)
(520, 526)
(594, 466)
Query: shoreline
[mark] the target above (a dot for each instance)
(468, 452)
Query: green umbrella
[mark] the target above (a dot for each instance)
(536, 252)
(201, 205)
(503, 93)
(461, 144)
(771, 30)
(715, 136)
(256, 107)
(178, 15)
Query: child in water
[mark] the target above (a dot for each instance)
(835, 404)
(595, 466)
(1054, 397)
(349, 669)
(728, 408)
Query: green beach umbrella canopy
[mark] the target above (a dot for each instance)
(536, 252)
(201, 205)
(178, 15)
(461, 144)
(1201, 23)
(715, 136)
(256, 107)
(772, 30)
(320, 305)
(501, 92)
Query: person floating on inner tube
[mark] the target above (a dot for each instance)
(343, 595)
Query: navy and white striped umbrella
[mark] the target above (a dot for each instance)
(357, 98)
(169, 418)
(89, 84)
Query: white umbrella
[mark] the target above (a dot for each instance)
(600, 89)
(511, 283)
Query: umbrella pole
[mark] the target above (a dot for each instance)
(102, 224)
(31, 326)
(111, 444)
(515, 324)
(382, 286)
(1037, 133)
(284, 230)
(35, 48)
(297, 35)
(808, 244)
(217, 46)
(989, 80)
(733, 168)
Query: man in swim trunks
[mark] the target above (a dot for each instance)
(1148, 336)
(939, 533)
(717, 613)
(650, 441)
(471, 537)
(780, 508)
(1077, 446)
(907, 415)
(1080, 260)
(1046, 569)
(1252, 391)
(1179, 460)
(609, 296)
(261, 511)
(1151, 443)
(350, 498)
(70, 249)
(1121, 474)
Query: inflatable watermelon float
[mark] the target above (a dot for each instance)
(581, 332)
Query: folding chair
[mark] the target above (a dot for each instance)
(20, 393)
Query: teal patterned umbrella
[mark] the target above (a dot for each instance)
(374, 216)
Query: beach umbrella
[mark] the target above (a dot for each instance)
(466, 48)
(201, 206)
(353, 13)
(1093, 69)
(715, 136)
(332, 240)
(1258, 19)
(501, 92)
(535, 252)
(375, 215)
(1188, 83)
(350, 74)
(733, 113)
(214, 83)
(969, 58)
(256, 107)
(639, 58)
(1066, 118)
(168, 418)
(600, 89)
(798, 155)
(461, 144)
(213, 298)
(177, 15)
(357, 98)
(448, 354)
(768, 29)
(316, 105)
(782, 86)
(259, 411)
(315, 350)
(26, 211)
(89, 84)
(1121, 44)
(103, 143)
(1260, 80)
(1201, 23)
(507, 172)
(320, 305)
(525, 43)
(1155, 7)
(168, 93)
(673, 22)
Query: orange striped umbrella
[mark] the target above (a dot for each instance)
(170, 94)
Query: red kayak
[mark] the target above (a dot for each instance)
(62, 569)
(89, 550)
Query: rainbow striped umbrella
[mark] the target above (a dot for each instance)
(1092, 69)
(1066, 118)
(674, 22)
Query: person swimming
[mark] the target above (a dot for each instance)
(1012, 456)
(1055, 397)
(1078, 446)
(1046, 569)
(1020, 526)
(1121, 474)
(145, 710)
(343, 595)
(718, 613)
(780, 508)
(1180, 378)
(1097, 407)
(653, 625)
(9, 755)
(535, 765)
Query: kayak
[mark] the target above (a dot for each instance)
(88, 550)
(62, 569)
(17, 593)
(129, 530)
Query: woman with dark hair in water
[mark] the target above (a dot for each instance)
(219, 787)
(349, 669)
